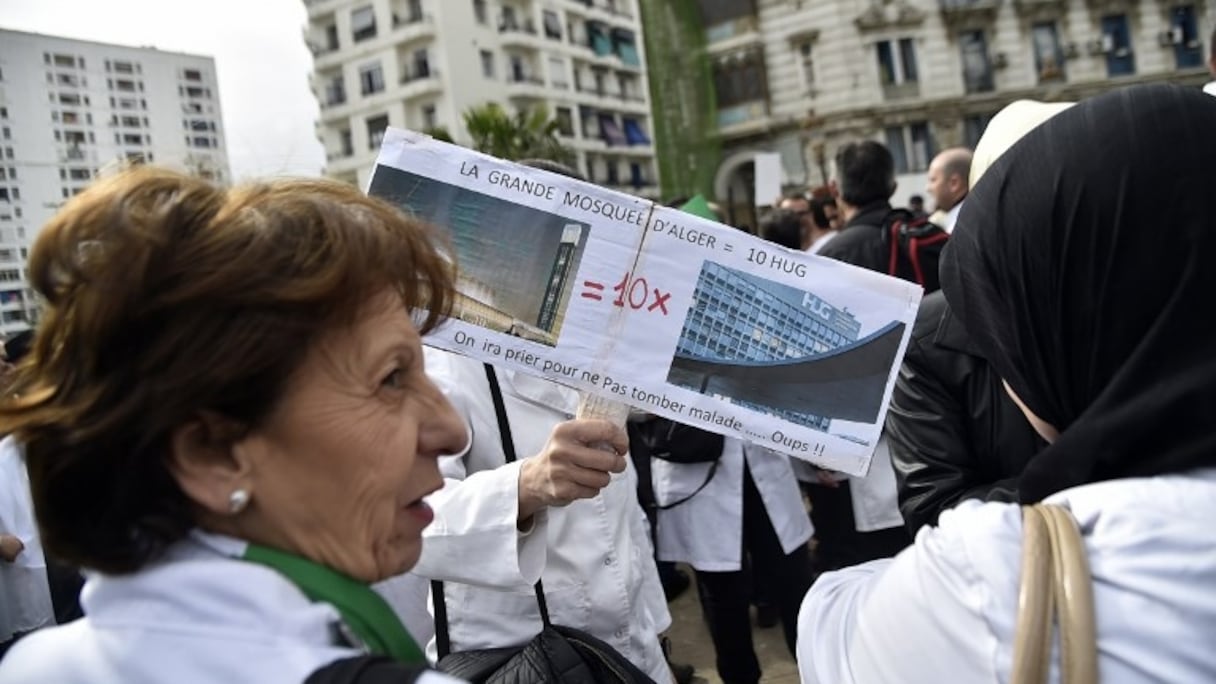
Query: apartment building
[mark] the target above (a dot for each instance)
(420, 64)
(69, 108)
(801, 77)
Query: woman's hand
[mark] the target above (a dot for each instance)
(576, 463)
(10, 547)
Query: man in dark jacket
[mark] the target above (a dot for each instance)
(954, 433)
(865, 181)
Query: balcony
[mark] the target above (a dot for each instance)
(418, 82)
(901, 91)
(1040, 10)
(518, 34)
(526, 86)
(965, 12)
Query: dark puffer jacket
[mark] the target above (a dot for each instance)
(954, 432)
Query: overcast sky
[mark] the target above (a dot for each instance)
(259, 52)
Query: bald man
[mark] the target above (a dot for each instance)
(948, 173)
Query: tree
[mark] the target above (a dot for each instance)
(528, 134)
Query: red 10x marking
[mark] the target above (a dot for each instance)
(633, 292)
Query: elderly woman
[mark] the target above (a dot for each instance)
(227, 422)
(1079, 267)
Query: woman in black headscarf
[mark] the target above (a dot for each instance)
(1080, 265)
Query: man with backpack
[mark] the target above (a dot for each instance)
(898, 243)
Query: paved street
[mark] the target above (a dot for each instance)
(691, 644)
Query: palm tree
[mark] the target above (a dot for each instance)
(528, 134)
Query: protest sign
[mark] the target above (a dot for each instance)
(666, 311)
(768, 179)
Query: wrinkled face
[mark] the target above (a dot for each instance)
(342, 463)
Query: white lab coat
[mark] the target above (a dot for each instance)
(25, 596)
(707, 530)
(598, 568)
(197, 616)
(944, 609)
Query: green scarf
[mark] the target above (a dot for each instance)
(363, 610)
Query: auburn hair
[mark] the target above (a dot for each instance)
(167, 296)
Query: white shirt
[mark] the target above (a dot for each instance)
(25, 596)
(944, 609)
(706, 531)
(598, 566)
(951, 217)
(198, 616)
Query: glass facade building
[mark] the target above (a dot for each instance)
(741, 317)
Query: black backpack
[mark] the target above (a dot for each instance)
(913, 246)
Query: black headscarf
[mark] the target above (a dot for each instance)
(1084, 266)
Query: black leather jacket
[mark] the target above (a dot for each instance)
(954, 433)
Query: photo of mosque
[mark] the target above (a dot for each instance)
(515, 263)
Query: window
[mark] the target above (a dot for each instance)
(74, 137)
(614, 176)
(557, 73)
(363, 23)
(565, 121)
(132, 139)
(430, 117)
(479, 11)
(508, 19)
(128, 103)
(192, 75)
(3, 112)
(202, 141)
(1184, 34)
(553, 25)
(197, 125)
(67, 80)
(65, 60)
(714, 12)
(6, 133)
(376, 126)
(1048, 57)
(72, 99)
(128, 121)
(740, 80)
(897, 67)
(79, 174)
(70, 118)
(124, 85)
(331, 37)
(346, 142)
(487, 64)
(977, 69)
(807, 63)
(195, 91)
(371, 79)
(422, 63)
(911, 146)
(1117, 44)
(124, 68)
(973, 128)
(335, 91)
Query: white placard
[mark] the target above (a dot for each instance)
(768, 178)
(671, 313)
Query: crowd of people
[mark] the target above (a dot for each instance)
(226, 426)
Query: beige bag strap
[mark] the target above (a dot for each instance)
(1055, 581)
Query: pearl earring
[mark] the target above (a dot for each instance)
(238, 500)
